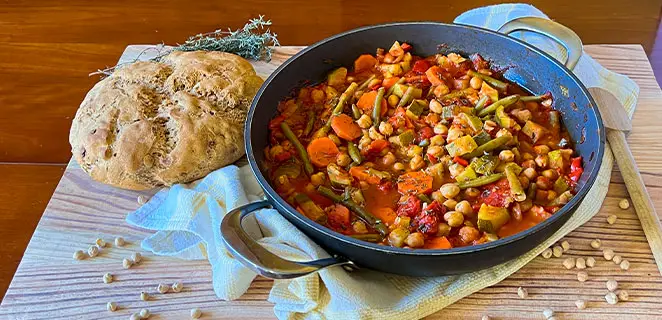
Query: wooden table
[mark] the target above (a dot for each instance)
(50, 284)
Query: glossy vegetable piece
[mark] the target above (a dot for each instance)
(310, 208)
(338, 176)
(467, 175)
(492, 81)
(482, 138)
(344, 97)
(489, 146)
(472, 121)
(345, 127)
(367, 102)
(485, 164)
(365, 83)
(502, 118)
(480, 181)
(487, 91)
(364, 62)
(358, 210)
(406, 138)
(337, 77)
(307, 165)
(433, 75)
(480, 104)
(377, 107)
(415, 182)
(354, 152)
(416, 108)
(556, 160)
(561, 185)
(291, 170)
(322, 152)
(512, 170)
(505, 102)
(391, 90)
(461, 146)
(490, 218)
(533, 130)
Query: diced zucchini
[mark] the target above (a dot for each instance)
(416, 108)
(399, 90)
(533, 130)
(561, 185)
(460, 146)
(516, 168)
(406, 138)
(485, 164)
(490, 218)
(502, 118)
(487, 90)
(562, 199)
(472, 121)
(338, 176)
(466, 175)
(337, 77)
(555, 159)
(448, 112)
(482, 138)
(310, 208)
(392, 69)
(291, 170)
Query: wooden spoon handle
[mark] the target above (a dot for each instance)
(641, 200)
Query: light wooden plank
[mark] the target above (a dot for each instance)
(50, 284)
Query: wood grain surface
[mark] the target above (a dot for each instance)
(50, 284)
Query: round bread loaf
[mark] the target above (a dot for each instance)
(160, 123)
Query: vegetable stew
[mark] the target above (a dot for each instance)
(421, 152)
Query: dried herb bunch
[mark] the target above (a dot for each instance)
(254, 41)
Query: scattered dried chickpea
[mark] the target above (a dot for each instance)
(548, 313)
(136, 257)
(580, 263)
(144, 296)
(449, 190)
(135, 316)
(485, 317)
(100, 243)
(608, 254)
(79, 255)
(624, 204)
(582, 276)
(547, 253)
(625, 265)
(111, 306)
(611, 298)
(107, 278)
(557, 251)
(119, 242)
(623, 295)
(177, 287)
(612, 285)
(196, 313)
(569, 263)
(144, 313)
(565, 245)
(93, 251)
(581, 304)
(522, 293)
(141, 199)
(611, 219)
(590, 262)
(617, 259)
(162, 288)
(126, 263)
(596, 244)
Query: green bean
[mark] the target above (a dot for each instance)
(310, 124)
(539, 98)
(391, 89)
(377, 109)
(366, 83)
(354, 152)
(555, 121)
(480, 181)
(344, 97)
(531, 192)
(370, 237)
(356, 112)
(481, 103)
(488, 146)
(371, 220)
(424, 197)
(491, 81)
(515, 185)
(408, 95)
(501, 102)
(297, 144)
(456, 94)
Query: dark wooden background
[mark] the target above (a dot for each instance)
(47, 49)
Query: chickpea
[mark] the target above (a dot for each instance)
(393, 100)
(317, 179)
(436, 196)
(335, 139)
(414, 150)
(415, 240)
(397, 237)
(416, 162)
(506, 156)
(443, 230)
(529, 164)
(436, 151)
(542, 160)
(543, 183)
(435, 106)
(398, 166)
(317, 95)
(530, 173)
(437, 140)
(489, 125)
(550, 174)
(454, 133)
(541, 149)
(364, 121)
(449, 190)
(468, 234)
(456, 169)
(454, 218)
(440, 129)
(388, 159)
(522, 115)
(343, 159)
(526, 156)
(385, 128)
(471, 193)
(359, 227)
(450, 204)
(464, 207)
(524, 181)
(402, 222)
(476, 83)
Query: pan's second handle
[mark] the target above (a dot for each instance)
(261, 260)
(558, 32)
(643, 204)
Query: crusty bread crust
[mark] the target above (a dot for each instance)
(151, 123)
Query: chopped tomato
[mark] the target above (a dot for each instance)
(282, 156)
(458, 159)
(410, 208)
(428, 220)
(433, 75)
(375, 147)
(496, 194)
(576, 169)
(421, 66)
(406, 46)
(425, 133)
(386, 186)
(274, 124)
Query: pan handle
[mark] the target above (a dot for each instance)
(262, 261)
(554, 30)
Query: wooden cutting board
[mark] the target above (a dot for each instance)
(49, 284)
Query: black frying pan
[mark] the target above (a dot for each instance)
(527, 66)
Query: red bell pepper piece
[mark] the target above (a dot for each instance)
(458, 159)
(576, 169)
(406, 46)
(421, 66)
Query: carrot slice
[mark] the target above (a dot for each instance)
(345, 127)
(437, 243)
(386, 214)
(363, 174)
(433, 75)
(414, 182)
(367, 102)
(339, 216)
(389, 82)
(364, 62)
(322, 151)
